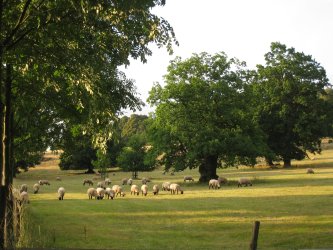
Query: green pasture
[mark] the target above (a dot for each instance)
(295, 210)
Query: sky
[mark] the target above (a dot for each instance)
(241, 28)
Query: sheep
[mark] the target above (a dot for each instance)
(92, 193)
(188, 178)
(36, 188)
(61, 193)
(87, 181)
(44, 182)
(129, 182)
(24, 188)
(118, 190)
(166, 186)
(58, 178)
(244, 181)
(109, 193)
(101, 184)
(100, 193)
(144, 190)
(174, 187)
(145, 180)
(309, 171)
(107, 181)
(222, 180)
(214, 184)
(24, 197)
(135, 190)
(156, 189)
(124, 181)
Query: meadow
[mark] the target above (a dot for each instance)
(295, 210)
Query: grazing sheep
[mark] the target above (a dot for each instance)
(309, 171)
(87, 181)
(107, 181)
(244, 181)
(101, 184)
(188, 178)
(214, 184)
(144, 189)
(61, 193)
(166, 186)
(118, 190)
(109, 193)
(36, 188)
(124, 181)
(92, 193)
(129, 182)
(24, 197)
(24, 188)
(222, 180)
(100, 193)
(156, 189)
(174, 187)
(58, 178)
(135, 190)
(44, 182)
(145, 180)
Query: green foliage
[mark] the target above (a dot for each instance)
(290, 109)
(203, 115)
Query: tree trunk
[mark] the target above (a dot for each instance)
(287, 163)
(269, 162)
(207, 169)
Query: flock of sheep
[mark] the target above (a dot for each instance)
(103, 190)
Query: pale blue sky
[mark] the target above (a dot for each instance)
(242, 29)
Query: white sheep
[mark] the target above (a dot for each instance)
(135, 189)
(118, 190)
(61, 193)
(101, 184)
(129, 182)
(24, 188)
(214, 184)
(58, 178)
(144, 189)
(100, 193)
(43, 182)
(166, 186)
(24, 197)
(188, 178)
(92, 193)
(174, 187)
(124, 181)
(156, 189)
(109, 193)
(309, 171)
(244, 181)
(87, 181)
(36, 188)
(222, 180)
(107, 181)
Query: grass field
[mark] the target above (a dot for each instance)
(295, 210)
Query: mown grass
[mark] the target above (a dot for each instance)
(294, 208)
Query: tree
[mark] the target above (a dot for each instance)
(290, 109)
(202, 116)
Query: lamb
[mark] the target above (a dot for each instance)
(214, 184)
(100, 193)
(135, 189)
(92, 193)
(156, 189)
(244, 181)
(188, 178)
(166, 186)
(44, 182)
(309, 171)
(129, 182)
(118, 190)
(222, 180)
(24, 188)
(174, 187)
(24, 197)
(107, 181)
(36, 188)
(101, 184)
(61, 193)
(87, 181)
(124, 181)
(144, 189)
(109, 193)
